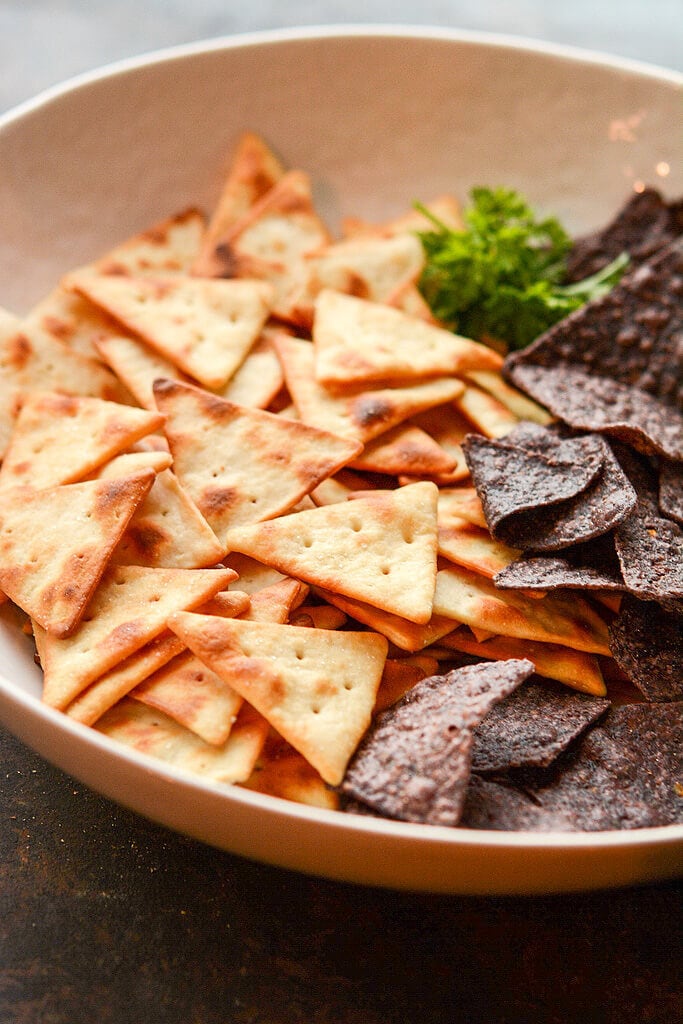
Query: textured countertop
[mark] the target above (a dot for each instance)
(105, 917)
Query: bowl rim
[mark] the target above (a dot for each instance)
(338, 30)
(333, 820)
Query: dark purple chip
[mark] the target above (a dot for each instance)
(671, 490)
(592, 513)
(414, 762)
(644, 225)
(501, 807)
(532, 726)
(613, 366)
(646, 641)
(624, 773)
(590, 566)
(649, 546)
(512, 479)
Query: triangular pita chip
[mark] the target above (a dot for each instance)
(132, 462)
(136, 365)
(155, 734)
(469, 545)
(567, 620)
(363, 414)
(523, 407)
(169, 247)
(58, 439)
(282, 771)
(370, 268)
(55, 544)
(489, 416)
(72, 320)
(111, 687)
(358, 341)
(259, 378)
(409, 636)
(318, 694)
(128, 610)
(243, 465)
(275, 602)
(574, 668)
(254, 170)
(30, 358)
(404, 449)
(168, 531)
(460, 503)
(204, 326)
(381, 549)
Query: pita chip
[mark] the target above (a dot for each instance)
(474, 548)
(72, 320)
(380, 549)
(30, 358)
(524, 408)
(59, 439)
(567, 620)
(128, 610)
(489, 416)
(357, 341)
(152, 733)
(254, 170)
(136, 365)
(55, 544)
(168, 531)
(405, 449)
(128, 463)
(318, 695)
(168, 247)
(364, 414)
(206, 327)
(281, 771)
(408, 636)
(243, 465)
(259, 379)
(460, 503)
(111, 687)
(253, 575)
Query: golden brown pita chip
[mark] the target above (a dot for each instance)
(72, 320)
(361, 414)
(524, 408)
(168, 247)
(128, 610)
(567, 620)
(59, 439)
(55, 544)
(381, 549)
(460, 503)
(338, 488)
(254, 170)
(30, 358)
(111, 687)
(281, 771)
(408, 636)
(317, 694)
(136, 365)
(274, 603)
(370, 268)
(404, 449)
(253, 575)
(152, 733)
(360, 342)
(320, 616)
(449, 428)
(132, 462)
(206, 327)
(242, 465)
(398, 677)
(194, 696)
(490, 417)
(168, 531)
(574, 668)
(468, 545)
(259, 379)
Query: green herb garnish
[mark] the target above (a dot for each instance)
(501, 277)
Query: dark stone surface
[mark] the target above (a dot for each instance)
(107, 918)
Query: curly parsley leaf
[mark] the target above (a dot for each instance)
(501, 277)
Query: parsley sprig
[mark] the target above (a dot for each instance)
(501, 277)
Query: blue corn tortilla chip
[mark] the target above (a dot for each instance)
(623, 773)
(671, 490)
(589, 566)
(507, 494)
(613, 366)
(532, 726)
(645, 224)
(414, 762)
(649, 546)
(646, 642)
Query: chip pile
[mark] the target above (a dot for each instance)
(269, 522)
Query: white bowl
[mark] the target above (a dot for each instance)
(379, 117)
